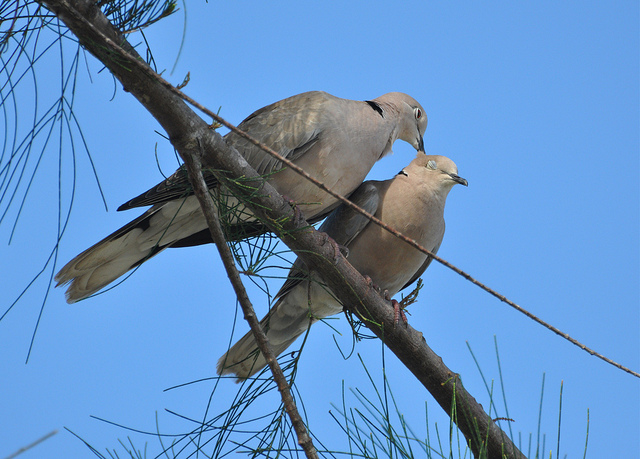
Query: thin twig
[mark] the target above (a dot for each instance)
(194, 168)
(31, 445)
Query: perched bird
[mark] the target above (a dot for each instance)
(412, 202)
(337, 141)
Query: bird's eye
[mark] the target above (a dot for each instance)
(418, 113)
(431, 164)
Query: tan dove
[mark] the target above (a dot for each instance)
(412, 202)
(335, 140)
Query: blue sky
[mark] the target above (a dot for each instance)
(537, 103)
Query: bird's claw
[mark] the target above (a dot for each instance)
(297, 213)
(398, 313)
(371, 284)
(398, 309)
(337, 248)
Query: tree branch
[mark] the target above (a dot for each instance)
(192, 138)
(194, 168)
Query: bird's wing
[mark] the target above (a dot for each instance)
(291, 127)
(175, 186)
(342, 225)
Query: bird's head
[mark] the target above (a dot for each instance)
(437, 171)
(412, 119)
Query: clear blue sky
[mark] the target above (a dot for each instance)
(536, 102)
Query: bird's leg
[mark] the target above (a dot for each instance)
(398, 312)
(371, 284)
(398, 308)
(297, 213)
(337, 248)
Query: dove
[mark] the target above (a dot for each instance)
(335, 140)
(412, 202)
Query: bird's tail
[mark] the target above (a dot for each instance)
(283, 325)
(128, 247)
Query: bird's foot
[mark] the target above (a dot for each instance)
(398, 308)
(337, 248)
(398, 313)
(298, 216)
(371, 284)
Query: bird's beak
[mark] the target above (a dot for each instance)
(420, 144)
(458, 179)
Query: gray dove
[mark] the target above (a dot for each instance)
(412, 202)
(337, 141)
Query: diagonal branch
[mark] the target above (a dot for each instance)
(191, 137)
